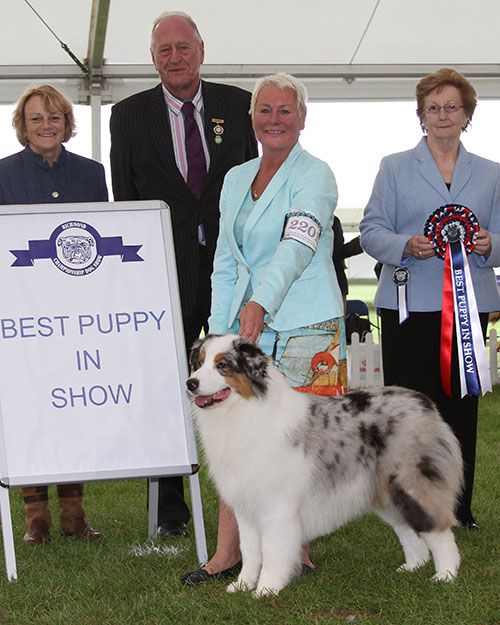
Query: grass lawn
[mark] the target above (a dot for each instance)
(363, 289)
(124, 579)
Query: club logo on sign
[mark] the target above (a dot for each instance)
(76, 248)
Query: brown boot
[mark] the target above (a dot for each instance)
(71, 513)
(38, 518)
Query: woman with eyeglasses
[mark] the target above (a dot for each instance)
(409, 187)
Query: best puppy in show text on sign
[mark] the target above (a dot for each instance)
(60, 325)
(90, 326)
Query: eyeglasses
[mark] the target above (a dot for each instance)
(434, 109)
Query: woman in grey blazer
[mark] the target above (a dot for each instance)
(409, 187)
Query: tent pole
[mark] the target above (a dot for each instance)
(95, 107)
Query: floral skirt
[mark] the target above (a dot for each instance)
(312, 358)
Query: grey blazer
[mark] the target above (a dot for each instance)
(408, 188)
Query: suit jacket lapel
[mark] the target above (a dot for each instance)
(240, 192)
(157, 119)
(277, 181)
(462, 173)
(429, 170)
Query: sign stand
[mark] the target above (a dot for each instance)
(8, 538)
(199, 526)
(91, 340)
(196, 510)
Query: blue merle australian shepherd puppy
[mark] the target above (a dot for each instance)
(295, 466)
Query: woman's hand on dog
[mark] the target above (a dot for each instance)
(251, 320)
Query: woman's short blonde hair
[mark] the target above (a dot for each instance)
(54, 101)
(438, 80)
(282, 81)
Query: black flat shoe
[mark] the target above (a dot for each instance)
(306, 569)
(172, 529)
(193, 578)
(467, 521)
(471, 526)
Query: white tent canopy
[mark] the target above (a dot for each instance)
(342, 49)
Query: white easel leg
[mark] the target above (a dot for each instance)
(153, 507)
(8, 537)
(199, 525)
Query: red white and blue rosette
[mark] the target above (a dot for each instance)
(452, 229)
(449, 222)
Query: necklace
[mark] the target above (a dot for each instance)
(260, 182)
(262, 179)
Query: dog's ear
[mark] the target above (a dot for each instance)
(195, 355)
(253, 361)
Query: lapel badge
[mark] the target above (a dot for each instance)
(218, 129)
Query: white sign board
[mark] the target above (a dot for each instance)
(92, 358)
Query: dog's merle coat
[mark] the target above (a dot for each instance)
(295, 466)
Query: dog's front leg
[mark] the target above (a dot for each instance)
(251, 556)
(281, 548)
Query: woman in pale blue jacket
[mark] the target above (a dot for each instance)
(285, 273)
(409, 187)
(274, 281)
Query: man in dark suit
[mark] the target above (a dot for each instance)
(151, 159)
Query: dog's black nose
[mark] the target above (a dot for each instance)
(192, 384)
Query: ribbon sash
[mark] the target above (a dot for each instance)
(402, 305)
(447, 324)
(459, 306)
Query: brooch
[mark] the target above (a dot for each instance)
(218, 129)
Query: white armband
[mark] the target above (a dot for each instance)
(303, 227)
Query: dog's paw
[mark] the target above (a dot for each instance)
(233, 587)
(405, 568)
(411, 566)
(264, 592)
(239, 585)
(444, 576)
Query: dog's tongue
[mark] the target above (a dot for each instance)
(203, 401)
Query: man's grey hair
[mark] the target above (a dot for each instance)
(282, 81)
(175, 14)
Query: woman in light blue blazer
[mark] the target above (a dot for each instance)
(274, 281)
(409, 187)
(287, 272)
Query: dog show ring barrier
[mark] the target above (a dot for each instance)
(92, 358)
(493, 347)
(364, 361)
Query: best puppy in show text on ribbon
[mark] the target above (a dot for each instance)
(452, 229)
